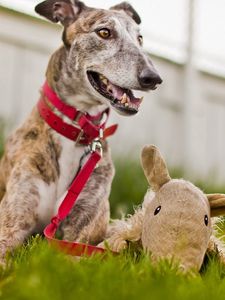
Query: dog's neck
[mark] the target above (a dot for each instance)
(68, 87)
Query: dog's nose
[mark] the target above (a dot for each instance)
(148, 79)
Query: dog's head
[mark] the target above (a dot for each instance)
(104, 52)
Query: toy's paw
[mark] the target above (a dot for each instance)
(102, 245)
(119, 245)
(115, 244)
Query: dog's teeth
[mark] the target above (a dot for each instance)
(105, 81)
(109, 88)
(124, 98)
(141, 99)
(126, 104)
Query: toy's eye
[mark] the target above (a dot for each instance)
(157, 210)
(206, 220)
(104, 33)
(140, 39)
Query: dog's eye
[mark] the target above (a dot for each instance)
(157, 210)
(140, 39)
(206, 220)
(104, 33)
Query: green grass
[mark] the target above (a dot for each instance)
(128, 188)
(39, 272)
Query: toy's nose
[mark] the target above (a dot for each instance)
(149, 79)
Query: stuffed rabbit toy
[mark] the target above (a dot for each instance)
(174, 221)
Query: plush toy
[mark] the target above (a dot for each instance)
(174, 221)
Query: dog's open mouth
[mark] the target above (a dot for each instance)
(121, 99)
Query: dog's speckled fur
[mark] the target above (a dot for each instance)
(39, 164)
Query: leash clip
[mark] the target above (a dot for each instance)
(101, 133)
(96, 145)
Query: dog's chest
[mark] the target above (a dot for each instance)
(69, 162)
(52, 195)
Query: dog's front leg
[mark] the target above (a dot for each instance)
(18, 210)
(89, 217)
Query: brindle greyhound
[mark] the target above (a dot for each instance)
(100, 63)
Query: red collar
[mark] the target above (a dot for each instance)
(84, 131)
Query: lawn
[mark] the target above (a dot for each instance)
(36, 271)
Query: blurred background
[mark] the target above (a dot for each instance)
(184, 117)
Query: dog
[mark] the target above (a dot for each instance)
(99, 64)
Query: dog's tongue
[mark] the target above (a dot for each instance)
(116, 91)
(123, 95)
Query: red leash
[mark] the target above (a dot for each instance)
(85, 133)
(72, 248)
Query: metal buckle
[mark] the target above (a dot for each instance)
(75, 121)
(80, 135)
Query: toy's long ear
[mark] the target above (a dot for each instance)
(63, 11)
(217, 204)
(154, 167)
(129, 10)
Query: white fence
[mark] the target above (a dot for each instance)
(198, 143)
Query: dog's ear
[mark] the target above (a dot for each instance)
(154, 167)
(217, 204)
(125, 6)
(63, 11)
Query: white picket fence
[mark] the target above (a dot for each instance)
(194, 140)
